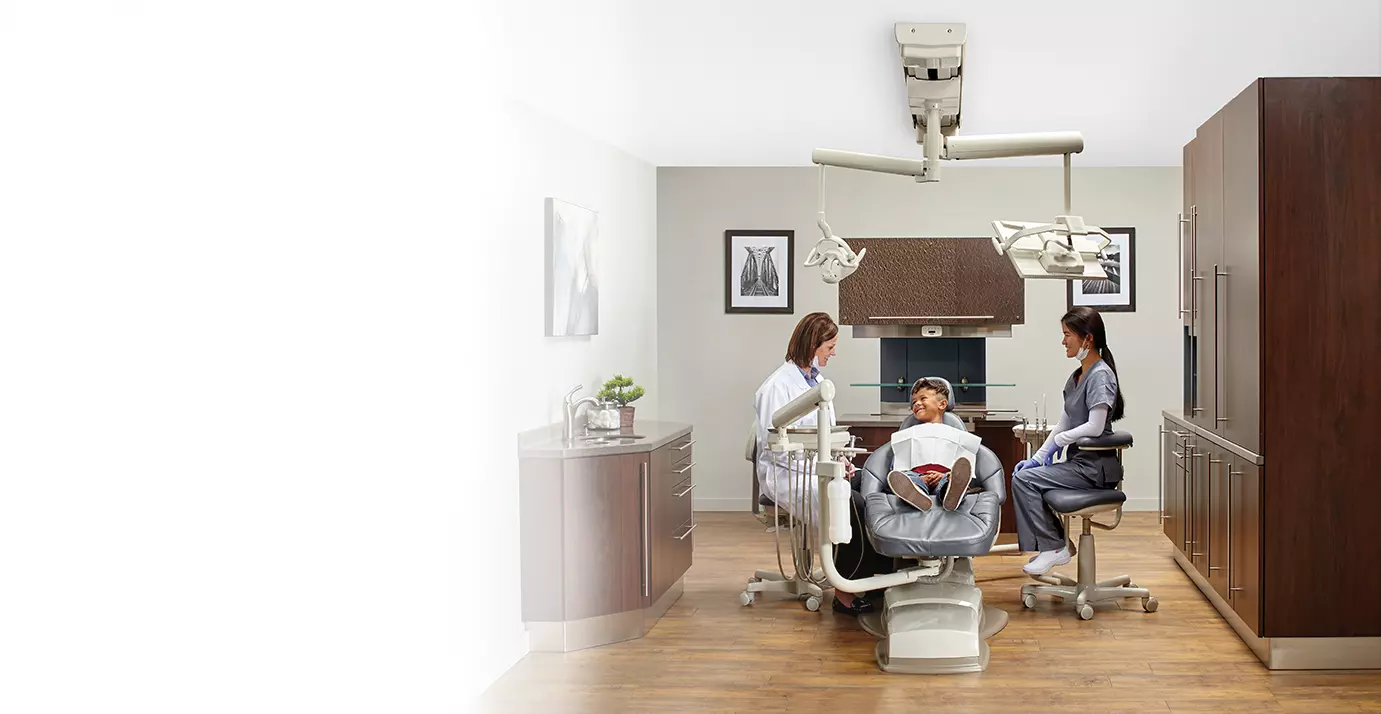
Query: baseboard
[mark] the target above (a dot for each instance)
(723, 504)
(713, 505)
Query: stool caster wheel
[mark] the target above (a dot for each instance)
(813, 603)
(745, 598)
(1086, 612)
(1028, 601)
(1149, 604)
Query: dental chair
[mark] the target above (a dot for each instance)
(937, 624)
(1085, 504)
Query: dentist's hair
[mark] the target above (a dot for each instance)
(813, 330)
(1086, 322)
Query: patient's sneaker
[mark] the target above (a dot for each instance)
(908, 491)
(1045, 560)
(959, 479)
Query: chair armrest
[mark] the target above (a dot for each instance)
(1115, 440)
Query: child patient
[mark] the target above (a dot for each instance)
(932, 459)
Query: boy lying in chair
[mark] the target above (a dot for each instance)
(932, 459)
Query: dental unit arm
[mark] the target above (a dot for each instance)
(834, 490)
(933, 60)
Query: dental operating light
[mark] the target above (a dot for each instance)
(932, 60)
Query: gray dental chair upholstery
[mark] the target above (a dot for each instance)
(898, 530)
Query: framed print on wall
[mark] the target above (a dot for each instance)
(1118, 292)
(759, 275)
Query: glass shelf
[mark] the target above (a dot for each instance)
(960, 385)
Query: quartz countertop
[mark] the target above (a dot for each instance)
(548, 443)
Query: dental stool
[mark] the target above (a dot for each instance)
(939, 624)
(1085, 504)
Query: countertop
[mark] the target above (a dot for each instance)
(547, 442)
(893, 420)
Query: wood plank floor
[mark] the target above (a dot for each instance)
(711, 654)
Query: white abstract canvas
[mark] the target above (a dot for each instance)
(572, 282)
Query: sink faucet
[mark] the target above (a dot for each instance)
(573, 409)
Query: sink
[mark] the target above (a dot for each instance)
(605, 439)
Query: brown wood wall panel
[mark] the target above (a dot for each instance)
(1321, 332)
(909, 277)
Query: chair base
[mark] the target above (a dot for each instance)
(768, 581)
(938, 627)
(1087, 589)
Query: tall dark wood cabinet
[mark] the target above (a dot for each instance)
(1271, 498)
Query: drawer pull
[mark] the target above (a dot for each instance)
(688, 490)
(685, 446)
(686, 535)
(687, 468)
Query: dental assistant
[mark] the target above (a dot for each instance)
(1092, 402)
(810, 349)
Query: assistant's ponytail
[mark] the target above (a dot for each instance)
(1118, 407)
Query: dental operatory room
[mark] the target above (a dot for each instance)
(670, 356)
(950, 357)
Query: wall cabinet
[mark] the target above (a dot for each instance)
(932, 281)
(1268, 497)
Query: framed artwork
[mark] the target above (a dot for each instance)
(1118, 292)
(572, 284)
(759, 275)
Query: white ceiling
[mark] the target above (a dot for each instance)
(763, 82)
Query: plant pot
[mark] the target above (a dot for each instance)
(625, 417)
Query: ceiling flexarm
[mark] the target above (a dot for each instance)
(933, 65)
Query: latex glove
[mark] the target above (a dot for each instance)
(1026, 464)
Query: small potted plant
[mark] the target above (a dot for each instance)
(621, 390)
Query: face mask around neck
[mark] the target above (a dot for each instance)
(1081, 354)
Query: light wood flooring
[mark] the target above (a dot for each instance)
(711, 654)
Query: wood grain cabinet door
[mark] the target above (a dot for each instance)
(1238, 282)
(933, 281)
(1244, 534)
(601, 550)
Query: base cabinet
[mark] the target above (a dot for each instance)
(1212, 515)
(606, 541)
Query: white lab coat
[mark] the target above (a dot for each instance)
(777, 391)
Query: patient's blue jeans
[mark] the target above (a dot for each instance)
(938, 490)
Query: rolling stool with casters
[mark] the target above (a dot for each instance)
(1085, 504)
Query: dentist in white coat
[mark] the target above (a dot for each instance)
(810, 349)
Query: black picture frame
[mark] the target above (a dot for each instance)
(1124, 299)
(735, 301)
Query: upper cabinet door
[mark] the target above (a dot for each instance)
(1238, 281)
(1208, 258)
(931, 281)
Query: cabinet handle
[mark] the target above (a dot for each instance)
(1179, 230)
(1181, 434)
(1177, 454)
(685, 535)
(1160, 470)
(642, 473)
(688, 467)
(1231, 473)
(1217, 341)
(687, 445)
(683, 493)
(1214, 461)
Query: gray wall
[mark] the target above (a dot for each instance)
(710, 363)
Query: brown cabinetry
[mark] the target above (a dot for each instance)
(606, 541)
(932, 281)
(1267, 492)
